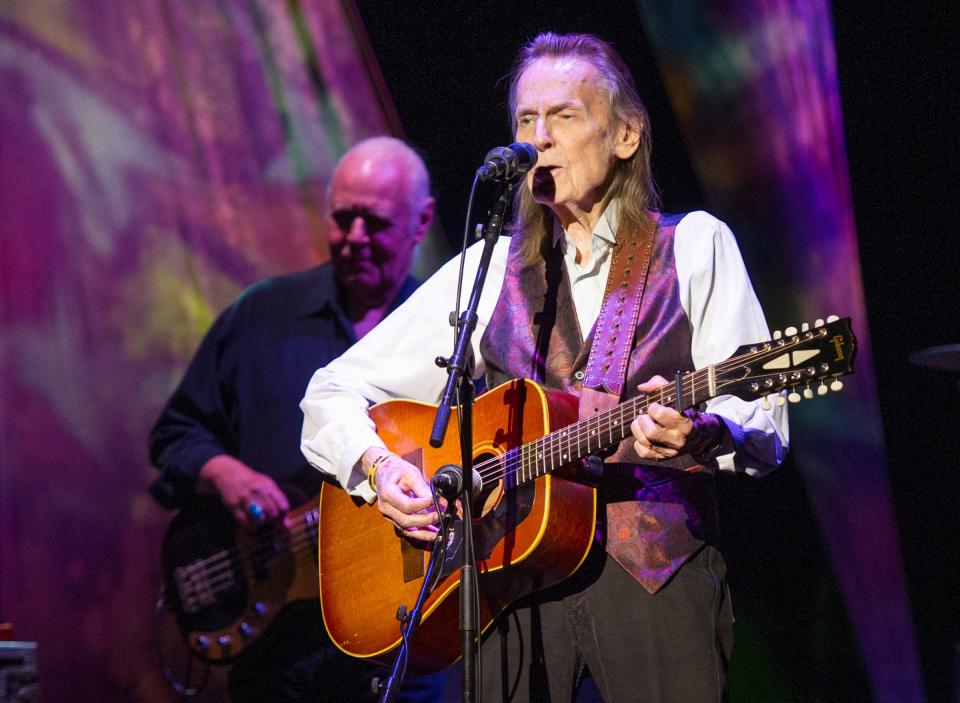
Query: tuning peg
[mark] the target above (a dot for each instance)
(777, 334)
(765, 404)
(832, 318)
(781, 401)
(805, 327)
(790, 331)
(818, 323)
(836, 385)
(821, 389)
(794, 397)
(808, 393)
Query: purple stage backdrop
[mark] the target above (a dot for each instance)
(158, 156)
(754, 85)
(155, 158)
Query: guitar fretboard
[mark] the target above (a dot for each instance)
(574, 442)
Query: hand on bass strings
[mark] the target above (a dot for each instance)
(251, 497)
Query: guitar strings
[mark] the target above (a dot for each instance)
(221, 576)
(509, 464)
(218, 574)
(303, 523)
(571, 436)
(217, 569)
(550, 446)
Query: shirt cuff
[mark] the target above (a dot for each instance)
(734, 439)
(712, 436)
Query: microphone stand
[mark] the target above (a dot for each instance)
(456, 366)
(410, 620)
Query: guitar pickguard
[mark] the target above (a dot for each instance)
(490, 529)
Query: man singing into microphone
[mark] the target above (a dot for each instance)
(647, 615)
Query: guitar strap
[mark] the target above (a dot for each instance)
(606, 370)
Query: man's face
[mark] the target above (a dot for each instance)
(563, 112)
(373, 226)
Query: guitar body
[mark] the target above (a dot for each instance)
(226, 583)
(527, 537)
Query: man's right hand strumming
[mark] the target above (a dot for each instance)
(403, 497)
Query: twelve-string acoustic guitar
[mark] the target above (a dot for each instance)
(534, 520)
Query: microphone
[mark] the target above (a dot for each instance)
(448, 481)
(505, 163)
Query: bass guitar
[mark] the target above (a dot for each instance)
(534, 521)
(226, 582)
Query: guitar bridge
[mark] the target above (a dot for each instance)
(412, 557)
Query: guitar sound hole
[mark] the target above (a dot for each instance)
(488, 466)
(500, 507)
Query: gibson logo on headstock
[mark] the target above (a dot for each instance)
(838, 346)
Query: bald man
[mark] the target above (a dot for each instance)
(231, 429)
(380, 207)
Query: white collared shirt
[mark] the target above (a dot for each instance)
(396, 358)
(587, 283)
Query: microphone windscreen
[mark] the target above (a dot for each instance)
(526, 155)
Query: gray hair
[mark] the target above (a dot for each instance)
(632, 182)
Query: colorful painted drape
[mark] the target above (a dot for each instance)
(754, 86)
(155, 158)
(158, 156)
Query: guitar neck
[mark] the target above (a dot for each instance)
(607, 429)
(794, 361)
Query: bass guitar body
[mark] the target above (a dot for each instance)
(226, 582)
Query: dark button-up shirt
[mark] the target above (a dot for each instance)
(240, 395)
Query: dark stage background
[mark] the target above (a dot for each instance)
(898, 66)
(156, 157)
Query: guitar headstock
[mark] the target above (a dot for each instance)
(807, 362)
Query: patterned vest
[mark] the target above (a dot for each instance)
(534, 333)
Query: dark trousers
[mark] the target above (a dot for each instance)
(672, 646)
